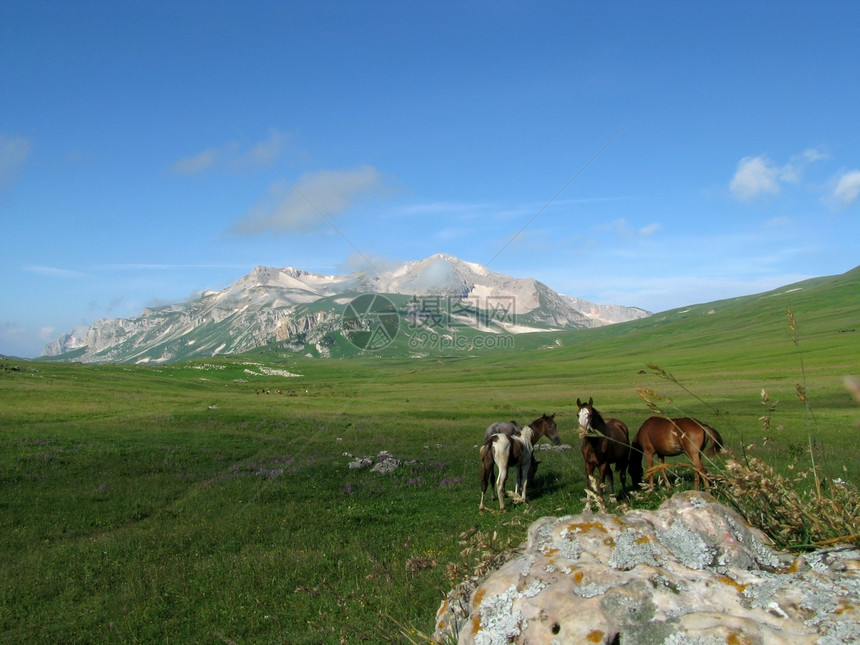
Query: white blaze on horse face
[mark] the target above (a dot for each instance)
(584, 419)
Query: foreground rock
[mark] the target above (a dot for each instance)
(691, 572)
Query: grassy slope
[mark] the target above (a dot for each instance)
(210, 501)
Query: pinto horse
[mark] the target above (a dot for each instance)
(503, 451)
(670, 437)
(543, 426)
(604, 442)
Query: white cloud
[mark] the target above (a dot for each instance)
(198, 163)
(755, 176)
(13, 154)
(307, 204)
(648, 231)
(847, 189)
(362, 261)
(231, 157)
(759, 176)
(811, 154)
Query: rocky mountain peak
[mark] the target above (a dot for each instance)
(261, 307)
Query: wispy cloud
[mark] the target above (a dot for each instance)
(305, 205)
(47, 334)
(760, 176)
(233, 156)
(54, 272)
(142, 266)
(13, 154)
(363, 261)
(205, 160)
(847, 189)
(461, 209)
(621, 228)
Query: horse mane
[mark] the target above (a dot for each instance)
(527, 435)
(597, 421)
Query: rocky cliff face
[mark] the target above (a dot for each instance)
(692, 572)
(262, 307)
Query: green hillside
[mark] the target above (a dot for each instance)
(212, 500)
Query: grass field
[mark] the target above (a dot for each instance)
(211, 501)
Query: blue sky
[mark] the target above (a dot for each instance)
(644, 154)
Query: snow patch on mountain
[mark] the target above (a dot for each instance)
(270, 304)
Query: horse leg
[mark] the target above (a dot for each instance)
(606, 469)
(649, 464)
(523, 474)
(525, 483)
(621, 469)
(518, 482)
(663, 470)
(485, 478)
(487, 471)
(495, 478)
(500, 486)
(589, 474)
(699, 470)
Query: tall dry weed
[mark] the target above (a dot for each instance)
(803, 510)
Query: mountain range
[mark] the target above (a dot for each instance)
(440, 297)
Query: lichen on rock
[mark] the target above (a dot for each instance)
(692, 572)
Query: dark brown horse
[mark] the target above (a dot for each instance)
(670, 437)
(604, 442)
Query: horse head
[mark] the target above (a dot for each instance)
(634, 467)
(549, 428)
(586, 413)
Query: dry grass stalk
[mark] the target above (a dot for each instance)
(792, 518)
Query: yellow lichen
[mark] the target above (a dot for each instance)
(732, 583)
(476, 624)
(586, 526)
(479, 596)
(737, 639)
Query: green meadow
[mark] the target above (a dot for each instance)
(212, 501)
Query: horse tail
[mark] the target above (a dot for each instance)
(634, 464)
(715, 443)
(487, 462)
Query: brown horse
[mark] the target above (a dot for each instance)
(604, 442)
(670, 437)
